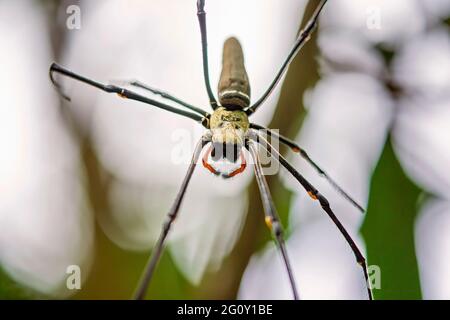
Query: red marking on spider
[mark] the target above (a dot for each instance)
(206, 164)
(216, 172)
(238, 170)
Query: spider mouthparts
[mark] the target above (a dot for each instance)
(227, 151)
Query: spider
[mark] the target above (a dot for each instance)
(228, 133)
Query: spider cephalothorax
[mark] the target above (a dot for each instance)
(228, 126)
(229, 129)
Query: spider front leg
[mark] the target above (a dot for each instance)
(120, 91)
(303, 37)
(171, 216)
(201, 14)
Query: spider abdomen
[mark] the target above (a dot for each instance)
(234, 87)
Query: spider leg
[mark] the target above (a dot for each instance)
(297, 149)
(201, 14)
(238, 170)
(271, 216)
(303, 37)
(171, 216)
(165, 95)
(206, 163)
(121, 92)
(324, 203)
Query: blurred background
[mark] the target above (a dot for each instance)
(87, 183)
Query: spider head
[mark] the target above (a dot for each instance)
(229, 129)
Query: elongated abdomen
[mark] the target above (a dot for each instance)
(234, 87)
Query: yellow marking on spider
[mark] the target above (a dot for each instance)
(121, 94)
(268, 221)
(312, 195)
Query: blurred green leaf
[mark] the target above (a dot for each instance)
(10, 289)
(389, 228)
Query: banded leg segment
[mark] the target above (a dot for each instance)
(271, 216)
(171, 216)
(201, 14)
(324, 203)
(121, 92)
(297, 149)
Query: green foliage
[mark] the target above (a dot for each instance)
(389, 229)
(10, 289)
(115, 274)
